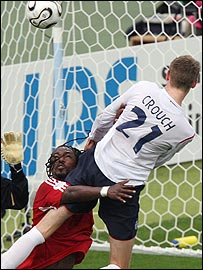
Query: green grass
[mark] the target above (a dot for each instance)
(96, 260)
(152, 234)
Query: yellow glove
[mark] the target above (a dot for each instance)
(12, 148)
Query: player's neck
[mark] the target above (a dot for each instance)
(177, 94)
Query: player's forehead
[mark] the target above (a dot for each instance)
(61, 150)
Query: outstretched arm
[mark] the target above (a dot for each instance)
(15, 191)
(80, 193)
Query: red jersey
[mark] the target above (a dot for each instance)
(73, 236)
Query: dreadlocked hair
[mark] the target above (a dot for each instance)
(52, 160)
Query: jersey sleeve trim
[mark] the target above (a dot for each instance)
(187, 139)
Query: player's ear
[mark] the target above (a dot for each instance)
(168, 75)
(194, 83)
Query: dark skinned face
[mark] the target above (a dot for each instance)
(63, 161)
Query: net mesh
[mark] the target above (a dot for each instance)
(106, 46)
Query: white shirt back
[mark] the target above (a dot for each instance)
(151, 129)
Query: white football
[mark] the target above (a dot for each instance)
(43, 14)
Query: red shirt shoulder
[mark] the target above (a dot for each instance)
(48, 196)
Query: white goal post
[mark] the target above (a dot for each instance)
(56, 81)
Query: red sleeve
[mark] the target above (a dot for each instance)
(48, 196)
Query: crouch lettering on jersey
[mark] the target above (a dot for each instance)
(159, 114)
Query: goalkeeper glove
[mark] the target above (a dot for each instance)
(11, 148)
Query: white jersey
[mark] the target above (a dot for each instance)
(151, 129)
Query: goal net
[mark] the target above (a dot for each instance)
(56, 81)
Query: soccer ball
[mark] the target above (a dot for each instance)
(43, 14)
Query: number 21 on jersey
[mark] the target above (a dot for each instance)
(156, 132)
